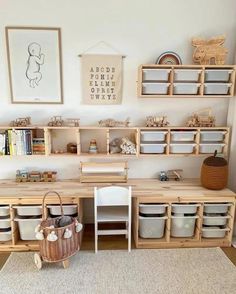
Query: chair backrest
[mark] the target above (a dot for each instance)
(112, 196)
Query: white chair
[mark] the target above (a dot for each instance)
(112, 204)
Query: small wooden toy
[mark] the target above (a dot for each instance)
(56, 121)
(156, 121)
(202, 118)
(163, 176)
(114, 146)
(127, 146)
(22, 176)
(49, 176)
(93, 146)
(34, 176)
(113, 123)
(72, 122)
(208, 51)
(71, 148)
(175, 174)
(21, 122)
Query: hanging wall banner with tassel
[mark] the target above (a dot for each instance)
(101, 78)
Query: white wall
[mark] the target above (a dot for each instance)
(139, 29)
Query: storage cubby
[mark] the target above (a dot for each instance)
(153, 141)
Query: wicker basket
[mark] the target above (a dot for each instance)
(214, 173)
(62, 248)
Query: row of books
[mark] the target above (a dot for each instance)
(20, 142)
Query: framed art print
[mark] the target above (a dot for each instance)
(35, 64)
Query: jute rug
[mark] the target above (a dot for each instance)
(182, 271)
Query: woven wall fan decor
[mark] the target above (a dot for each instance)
(169, 58)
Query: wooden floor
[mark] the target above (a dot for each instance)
(113, 242)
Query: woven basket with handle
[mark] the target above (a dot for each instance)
(62, 248)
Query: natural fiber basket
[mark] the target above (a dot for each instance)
(62, 248)
(214, 173)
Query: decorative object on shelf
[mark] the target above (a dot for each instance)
(35, 176)
(93, 146)
(156, 121)
(169, 57)
(103, 172)
(22, 176)
(175, 174)
(114, 146)
(71, 148)
(49, 176)
(163, 176)
(110, 122)
(30, 50)
(127, 146)
(208, 51)
(201, 118)
(214, 172)
(72, 122)
(56, 121)
(21, 122)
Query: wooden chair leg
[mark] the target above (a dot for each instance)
(96, 238)
(66, 263)
(127, 228)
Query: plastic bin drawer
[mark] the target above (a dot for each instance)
(216, 88)
(152, 227)
(28, 210)
(5, 223)
(182, 226)
(149, 136)
(216, 207)
(152, 74)
(210, 148)
(217, 75)
(155, 88)
(5, 236)
(215, 220)
(186, 88)
(27, 227)
(184, 208)
(4, 210)
(214, 232)
(212, 136)
(182, 136)
(152, 148)
(68, 209)
(182, 148)
(152, 208)
(191, 75)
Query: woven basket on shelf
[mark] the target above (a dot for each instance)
(214, 173)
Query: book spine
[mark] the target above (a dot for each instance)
(7, 149)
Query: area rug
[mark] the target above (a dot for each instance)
(182, 271)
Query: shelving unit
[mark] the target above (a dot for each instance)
(188, 81)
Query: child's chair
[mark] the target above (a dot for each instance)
(112, 204)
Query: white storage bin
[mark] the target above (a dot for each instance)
(216, 207)
(182, 148)
(186, 88)
(27, 227)
(182, 136)
(149, 136)
(210, 148)
(152, 148)
(156, 74)
(5, 236)
(216, 88)
(182, 226)
(152, 227)
(217, 75)
(212, 136)
(215, 220)
(68, 209)
(184, 208)
(4, 210)
(28, 210)
(152, 208)
(191, 75)
(155, 88)
(214, 232)
(5, 223)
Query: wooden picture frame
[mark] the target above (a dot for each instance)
(34, 64)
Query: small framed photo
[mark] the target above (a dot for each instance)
(35, 64)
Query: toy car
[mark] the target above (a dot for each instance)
(163, 176)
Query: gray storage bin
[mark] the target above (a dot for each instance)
(152, 148)
(27, 227)
(28, 210)
(149, 136)
(217, 75)
(183, 226)
(5, 223)
(182, 148)
(184, 208)
(191, 75)
(211, 147)
(212, 136)
(5, 236)
(152, 208)
(156, 74)
(183, 136)
(68, 209)
(216, 207)
(152, 227)
(215, 220)
(214, 232)
(155, 88)
(186, 88)
(216, 88)
(4, 210)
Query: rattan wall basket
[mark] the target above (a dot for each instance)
(214, 172)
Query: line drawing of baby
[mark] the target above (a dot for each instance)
(35, 60)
